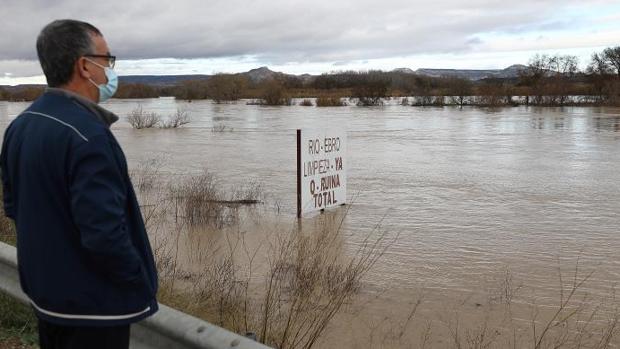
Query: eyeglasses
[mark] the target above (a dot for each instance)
(111, 59)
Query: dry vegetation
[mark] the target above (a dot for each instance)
(178, 119)
(506, 314)
(138, 118)
(287, 290)
(288, 299)
(288, 305)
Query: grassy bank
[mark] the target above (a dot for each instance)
(18, 325)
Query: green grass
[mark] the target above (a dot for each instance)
(18, 324)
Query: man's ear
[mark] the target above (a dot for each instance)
(81, 69)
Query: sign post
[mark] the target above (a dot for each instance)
(321, 170)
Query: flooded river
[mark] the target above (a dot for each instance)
(470, 191)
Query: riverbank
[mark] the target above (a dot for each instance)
(344, 97)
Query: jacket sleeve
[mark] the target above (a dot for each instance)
(7, 194)
(98, 205)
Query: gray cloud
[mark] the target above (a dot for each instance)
(19, 68)
(197, 36)
(281, 31)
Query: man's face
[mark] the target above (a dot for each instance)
(101, 48)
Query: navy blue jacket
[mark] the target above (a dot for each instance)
(83, 253)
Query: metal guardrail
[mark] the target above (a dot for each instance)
(168, 328)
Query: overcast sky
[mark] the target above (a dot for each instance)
(207, 36)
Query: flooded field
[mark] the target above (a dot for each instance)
(486, 204)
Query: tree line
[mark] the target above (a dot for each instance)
(553, 80)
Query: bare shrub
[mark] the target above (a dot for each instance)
(178, 119)
(139, 119)
(556, 329)
(250, 192)
(199, 200)
(576, 321)
(306, 103)
(305, 287)
(145, 176)
(308, 284)
(196, 201)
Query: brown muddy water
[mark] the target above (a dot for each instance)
(474, 195)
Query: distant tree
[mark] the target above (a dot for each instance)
(371, 88)
(274, 93)
(136, 91)
(604, 74)
(423, 90)
(493, 93)
(291, 81)
(403, 82)
(562, 69)
(458, 89)
(191, 89)
(533, 77)
(611, 55)
(599, 65)
(547, 78)
(226, 87)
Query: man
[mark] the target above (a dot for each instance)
(84, 257)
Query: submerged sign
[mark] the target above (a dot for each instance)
(321, 170)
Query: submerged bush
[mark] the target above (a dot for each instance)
(139, 119)
(200, 200)
(274, 94)
(178, 119)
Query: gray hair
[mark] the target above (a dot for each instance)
(60, 44)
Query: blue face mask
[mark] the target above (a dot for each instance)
(106, 91)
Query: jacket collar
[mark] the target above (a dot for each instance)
(104, 115)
